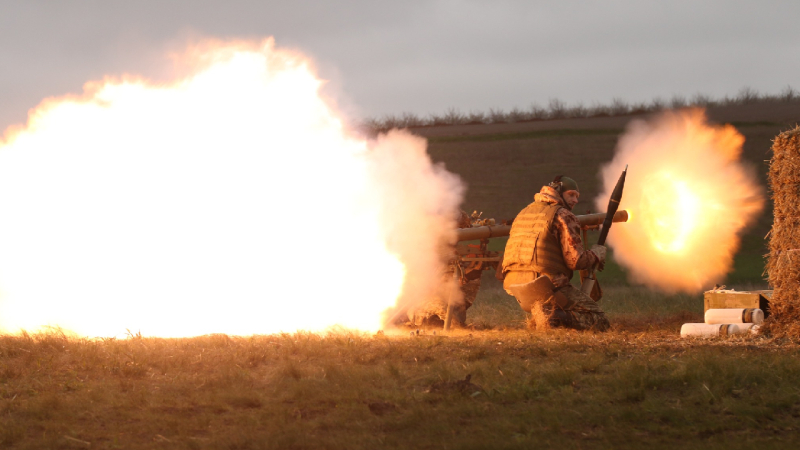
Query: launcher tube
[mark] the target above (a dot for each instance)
(586, 220)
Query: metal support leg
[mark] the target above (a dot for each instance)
(448, 318)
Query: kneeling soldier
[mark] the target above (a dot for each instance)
(543, 250)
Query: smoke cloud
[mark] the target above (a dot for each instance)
(418, 205)
(689, 197)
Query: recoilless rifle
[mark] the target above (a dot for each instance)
(471, 259)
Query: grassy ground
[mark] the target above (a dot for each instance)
(638, 385)
(495, 384)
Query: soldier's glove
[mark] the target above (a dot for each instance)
(600, 251)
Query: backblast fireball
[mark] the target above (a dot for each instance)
(197, 206)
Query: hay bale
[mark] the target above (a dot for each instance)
(783, 265)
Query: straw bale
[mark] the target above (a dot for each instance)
(783, 265)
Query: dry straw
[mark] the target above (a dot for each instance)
(540, 319)
(783, 265)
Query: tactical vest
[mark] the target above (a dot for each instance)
(531, 246)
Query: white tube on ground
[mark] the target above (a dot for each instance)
(735, 315)
(708, 330)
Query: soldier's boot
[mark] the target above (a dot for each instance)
(561, 319)
(595, 321)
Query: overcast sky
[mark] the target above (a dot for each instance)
(388, 57)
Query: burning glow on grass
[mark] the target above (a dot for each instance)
(688, 198)
(229, 201)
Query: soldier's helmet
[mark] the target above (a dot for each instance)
(563, 184)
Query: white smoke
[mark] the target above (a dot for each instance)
(419, 202)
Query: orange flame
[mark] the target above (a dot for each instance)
(688, 198)
(232, 200)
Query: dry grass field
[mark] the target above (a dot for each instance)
(498, 387)
(495, 384)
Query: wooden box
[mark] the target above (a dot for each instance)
(737, 299)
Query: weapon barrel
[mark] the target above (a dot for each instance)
(598, 218)
(471, 234)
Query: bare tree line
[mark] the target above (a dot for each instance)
(558, 109)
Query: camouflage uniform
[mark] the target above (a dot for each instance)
(530, 254)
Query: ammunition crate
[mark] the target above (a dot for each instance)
(737, 299)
